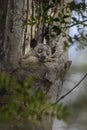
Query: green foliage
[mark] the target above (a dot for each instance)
(49, 13)
(19, 101)
(62, 112)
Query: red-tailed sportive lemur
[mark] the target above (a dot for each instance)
(40, 53)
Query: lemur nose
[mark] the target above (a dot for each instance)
(42, 58)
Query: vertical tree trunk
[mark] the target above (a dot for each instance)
(3, 12)
(13, 33)
(17, 40)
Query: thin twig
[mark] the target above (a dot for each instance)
(66, 94)
(80, 22)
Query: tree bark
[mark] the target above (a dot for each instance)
(17, 40)
(13, 33)
(3, 12)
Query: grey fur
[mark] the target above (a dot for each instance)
(41, 53)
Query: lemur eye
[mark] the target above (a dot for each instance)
(40, 50)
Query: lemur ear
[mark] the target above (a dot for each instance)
(53, 49)
(33, 43)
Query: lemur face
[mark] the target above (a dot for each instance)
(43, 51)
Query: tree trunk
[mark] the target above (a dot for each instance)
(3, 12)
(13, 33)
(17, 40)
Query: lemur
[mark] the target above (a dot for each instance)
(39, 53)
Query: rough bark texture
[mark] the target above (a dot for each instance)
(3, 12)
(13, 33)
(17, 43)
